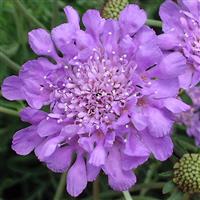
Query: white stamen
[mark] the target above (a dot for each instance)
(124, 55)
(149, 83)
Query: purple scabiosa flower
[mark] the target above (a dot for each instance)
(111, 97)
(191, 118)
(181, 28)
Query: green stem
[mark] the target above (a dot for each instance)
(151, 185)
(5, 59)
(153, 22)
(8, 111)
(60, 188)
(27, 14)
(188, 146)
(96, 195)
(148, 178)
(55, 13)
(127, 195)
(18, 18)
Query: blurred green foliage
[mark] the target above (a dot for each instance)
(25, 178)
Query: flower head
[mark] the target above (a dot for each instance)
(111, 98)
(181, 28)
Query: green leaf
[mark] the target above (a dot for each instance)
(168, 187)
(166, 174)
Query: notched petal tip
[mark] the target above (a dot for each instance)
(40, 42)
(132, 18)
(77, 177)
(12, 88)
(123, 182)
(25, 140)
(72, 16)
(98, 156)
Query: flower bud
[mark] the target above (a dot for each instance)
(187, 173)
(112, 8)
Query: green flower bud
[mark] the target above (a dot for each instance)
(187, 173)
(112, 8)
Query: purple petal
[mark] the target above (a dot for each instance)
(131, 19)
(144, 35)
(92, 172)
(93, 23)
(118, 179)
(172, 65)
(148, 52)
(25, 140)
(129, 162)
(158, 124)
(156, 145)
(110, 139)
(34, 100)
(46, 66)
(32, 116)
(165, 88)
(110, 36)
(60, 160)
(41, 43)
(32, 74)
(193, 6)
(47, 148)
(168, 41)
(127, 45)
(84, 40)
(186, 78)
(175, 105)
(170, 15)
(98, 156)
(134, 146)
(86, 143)
(123, 119)
(72, 16)
(122, 182)
(48, 127)
(77, 177)
(69, 131)
(63, 35)
(12, 88)
(138, 119)
(195, 79)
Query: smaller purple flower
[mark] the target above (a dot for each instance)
(191, 118)
(181, 28)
